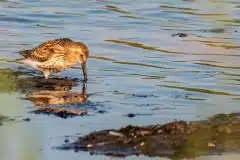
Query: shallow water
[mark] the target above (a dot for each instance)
(136, 66)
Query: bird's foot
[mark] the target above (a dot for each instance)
(46, 75)
(58, 75)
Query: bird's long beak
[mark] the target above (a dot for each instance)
(84, 69)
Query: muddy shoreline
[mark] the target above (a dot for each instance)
(177, 139)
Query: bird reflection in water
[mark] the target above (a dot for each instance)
(46, 97)
(59, 100)
(51, 96)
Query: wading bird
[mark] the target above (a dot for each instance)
(56, 55)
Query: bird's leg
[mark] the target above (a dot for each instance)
(46, 74)
(58, 75)
(84, 69)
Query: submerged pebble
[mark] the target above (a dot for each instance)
(131, 115)
(26, 119)
(180, 35)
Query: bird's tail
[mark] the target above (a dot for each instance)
(25, 53)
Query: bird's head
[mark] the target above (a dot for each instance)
(81, 52)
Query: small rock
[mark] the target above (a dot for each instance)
(102, 111)
(160, 131)
(180, 35)
(26, 119)
(131, 115)
(144, 132)
(211, 144)
(113, 133)
(89, 145)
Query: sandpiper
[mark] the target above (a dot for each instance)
(56, 55)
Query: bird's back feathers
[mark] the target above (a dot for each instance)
(47, 49)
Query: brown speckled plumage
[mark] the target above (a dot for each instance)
(54, 56)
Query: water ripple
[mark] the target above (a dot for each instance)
(142, 46)
(128, 63)
(200, 90)
(135, 67)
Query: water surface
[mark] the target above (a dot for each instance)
(136, 66)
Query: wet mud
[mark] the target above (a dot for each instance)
(178, 139)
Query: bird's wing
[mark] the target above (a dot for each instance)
(46, 50)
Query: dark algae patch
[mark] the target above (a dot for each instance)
(178, 139)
